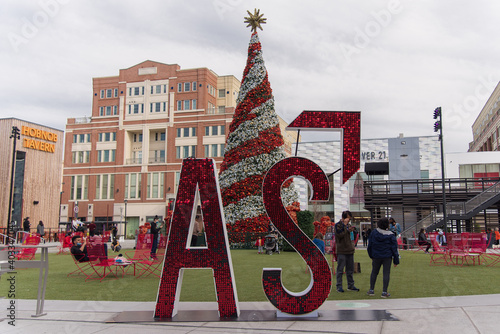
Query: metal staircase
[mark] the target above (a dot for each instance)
(467, 210)
(428, 220)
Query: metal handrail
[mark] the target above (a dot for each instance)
(415, 227)
(5, 237)
(470, 205)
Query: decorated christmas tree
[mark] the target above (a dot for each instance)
(254, 144)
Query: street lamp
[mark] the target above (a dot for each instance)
(16, 135)
(438, 127)
(125, 201)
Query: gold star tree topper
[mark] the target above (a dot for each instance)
(255, 20)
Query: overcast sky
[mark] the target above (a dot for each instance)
(394, 61)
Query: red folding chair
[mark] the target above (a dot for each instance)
(82, 268)
(64, 243)
(28, 253)
(101, 265)
(476, 246)
(492, 258)
(456, 248)
(439, 257)
(142, 255)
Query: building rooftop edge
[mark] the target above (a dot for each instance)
(23, 120)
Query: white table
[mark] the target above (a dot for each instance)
(43, 264)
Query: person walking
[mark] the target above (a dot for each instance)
(345, 252)
(382, 249)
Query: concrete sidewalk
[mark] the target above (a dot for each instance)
(462, 314)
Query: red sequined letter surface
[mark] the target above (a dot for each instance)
(321, 277)
(197, 174)
(348, 122)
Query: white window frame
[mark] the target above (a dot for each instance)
(155, 189)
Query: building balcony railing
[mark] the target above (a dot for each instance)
(82, 120)
(134, 161)
(157, 160)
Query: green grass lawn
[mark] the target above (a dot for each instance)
(412, 278)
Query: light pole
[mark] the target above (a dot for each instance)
(438, 127)
(125, 201)
(16, 135)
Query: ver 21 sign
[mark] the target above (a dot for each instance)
(198, 177)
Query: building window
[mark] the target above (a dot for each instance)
(137, 137)
(182, 152)
(210, 108)
(186, 132)
(155, 185)
(133, 185)
(179, 87)
(79, 187)
(215, 130)
(105, 186)
(222, 109)
(157, 156)
(186, 105)
(107, 136)
(187, 86)
(136, 108)
(106, 155)
(211, 90)
(102, 93)
(193, 102)
(158, 106)
(179, 105)
(80, 157)
(222, 93)
(136, 91)
(214, 150)
(116, 92)
(160, 136)
(194, 86)
(108, 110)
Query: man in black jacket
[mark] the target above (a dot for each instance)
(155, 229)
(345, 252)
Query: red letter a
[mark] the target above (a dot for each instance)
(197, 174)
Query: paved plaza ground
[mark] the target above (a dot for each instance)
(464, 314)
